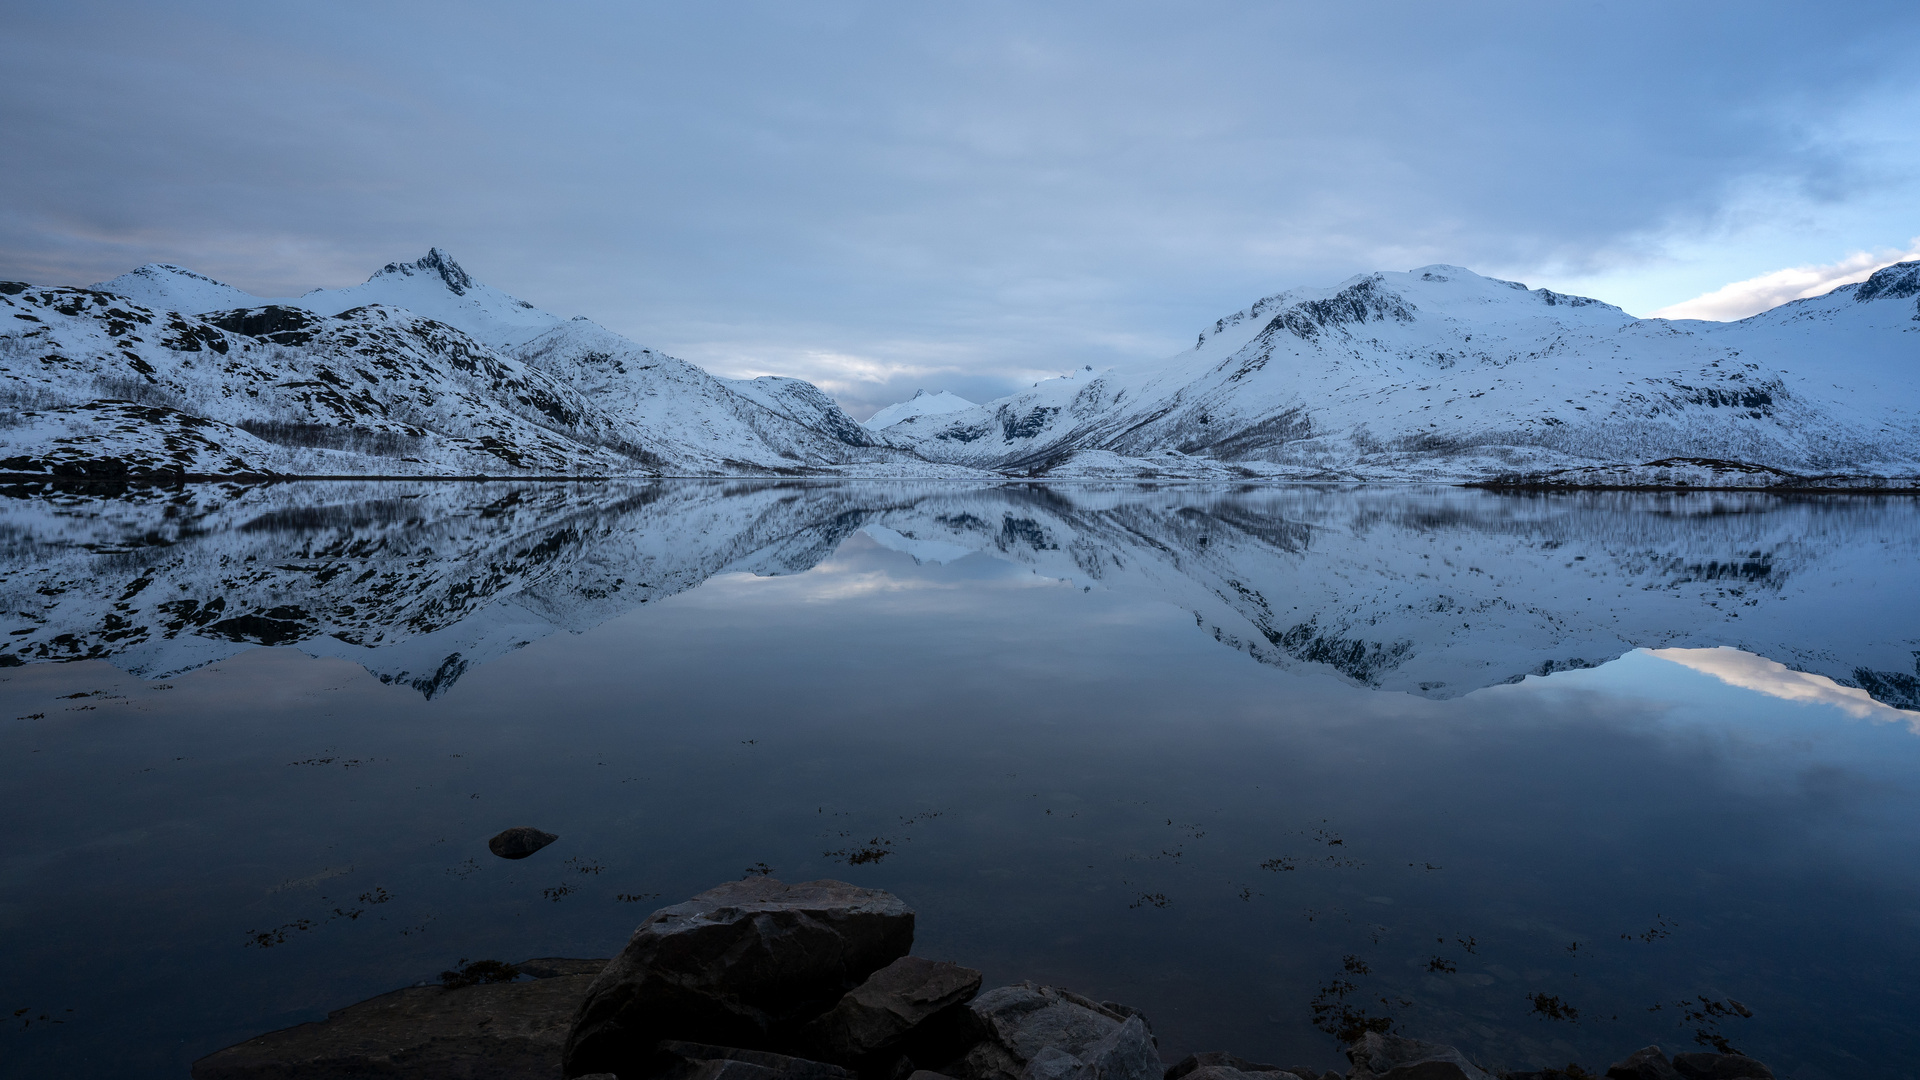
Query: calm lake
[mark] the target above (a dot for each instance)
(1546, 777)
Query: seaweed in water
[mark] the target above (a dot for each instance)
(1553, 1008)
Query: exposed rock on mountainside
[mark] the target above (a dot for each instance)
(1435, 374)
(1442, 374)
(421, 371)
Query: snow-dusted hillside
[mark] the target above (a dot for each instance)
(920, 404)
(421, 371)
(1435, 374)
(1431, 591)
(1440, 373)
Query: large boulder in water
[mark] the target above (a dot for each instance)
(743, 965)
(1030, 1032)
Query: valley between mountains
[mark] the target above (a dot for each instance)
(1435, 375)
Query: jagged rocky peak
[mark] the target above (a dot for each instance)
(435, 261)
(1896, 282)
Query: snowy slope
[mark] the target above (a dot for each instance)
(921, 404)
(1436, 374)
(419, 371)
(433, 286)
(1440, 373)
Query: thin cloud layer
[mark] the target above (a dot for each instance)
(932, 193)
(1757, 294)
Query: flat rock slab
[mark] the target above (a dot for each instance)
(519, 842)
(1377, 1056)
(1033, 1032)
(883, 1012)
(699, 1061)
(746, 964)
(1701, 1066)
(1647, 1063)
(495, 1031)
(1220, 1065)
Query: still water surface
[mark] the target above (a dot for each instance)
(1548, 778)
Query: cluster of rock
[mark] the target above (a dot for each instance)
(760, 980)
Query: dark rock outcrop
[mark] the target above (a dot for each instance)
(494, 1031)
(1698, 1066)
(1220, 1065)
(676, 1060)
(1379, 1056)
(1029, 1032)
(519, 842)
(743, 965)
(893, 1005)
(1644, 1064)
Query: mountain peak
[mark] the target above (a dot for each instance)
(1896, 282)
(436, 261)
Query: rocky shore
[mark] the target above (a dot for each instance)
(760, 980)
(1699, 474)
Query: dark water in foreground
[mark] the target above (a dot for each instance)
(1223, 755)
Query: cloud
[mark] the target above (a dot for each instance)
(977, 190)
(1750, 672)
(1757, 294)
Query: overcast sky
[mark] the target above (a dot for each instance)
(963, 196)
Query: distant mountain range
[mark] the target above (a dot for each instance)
(1436, 374)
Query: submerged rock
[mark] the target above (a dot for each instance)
(1379, 1056)
(493, 1031)
(519, 842)
(743, 965)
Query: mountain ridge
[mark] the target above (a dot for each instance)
(1434, 374)
(419, 371)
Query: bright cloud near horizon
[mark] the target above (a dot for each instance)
(883, 197)
(1758, 294)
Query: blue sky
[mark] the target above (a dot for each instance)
(968, 196)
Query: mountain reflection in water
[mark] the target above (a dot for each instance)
(1010, 705)
(1436, 592)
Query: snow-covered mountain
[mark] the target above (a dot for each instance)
(420, 371)
(1434, 374)
(921, 404)
(1440, 373)
(1430, 591)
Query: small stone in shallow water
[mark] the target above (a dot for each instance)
(519, 842)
